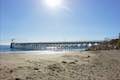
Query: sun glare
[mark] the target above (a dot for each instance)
(53, 3)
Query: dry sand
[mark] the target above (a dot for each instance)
(97, 65)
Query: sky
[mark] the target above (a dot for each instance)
(74, 20)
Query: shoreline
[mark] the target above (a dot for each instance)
(41, 52)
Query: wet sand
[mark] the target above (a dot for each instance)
(94, 65)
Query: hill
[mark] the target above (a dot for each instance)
(113, 44)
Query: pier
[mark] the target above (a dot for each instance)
(54, 45)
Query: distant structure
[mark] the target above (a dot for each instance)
(107, 39)
(12, 41)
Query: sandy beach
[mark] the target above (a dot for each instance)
(89, 65)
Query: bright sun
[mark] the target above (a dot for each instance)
(53, 3)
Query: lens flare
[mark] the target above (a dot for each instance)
(53, 3)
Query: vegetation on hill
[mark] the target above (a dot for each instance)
(113, 44)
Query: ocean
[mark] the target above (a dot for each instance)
(6, 48)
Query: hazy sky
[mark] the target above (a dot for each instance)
(33, 20)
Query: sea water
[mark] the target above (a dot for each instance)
(7, 49)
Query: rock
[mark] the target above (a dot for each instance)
(11, 71)
(36, 68)
(88, 56)
(17, 79)
(64, 62)
(72, 62)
